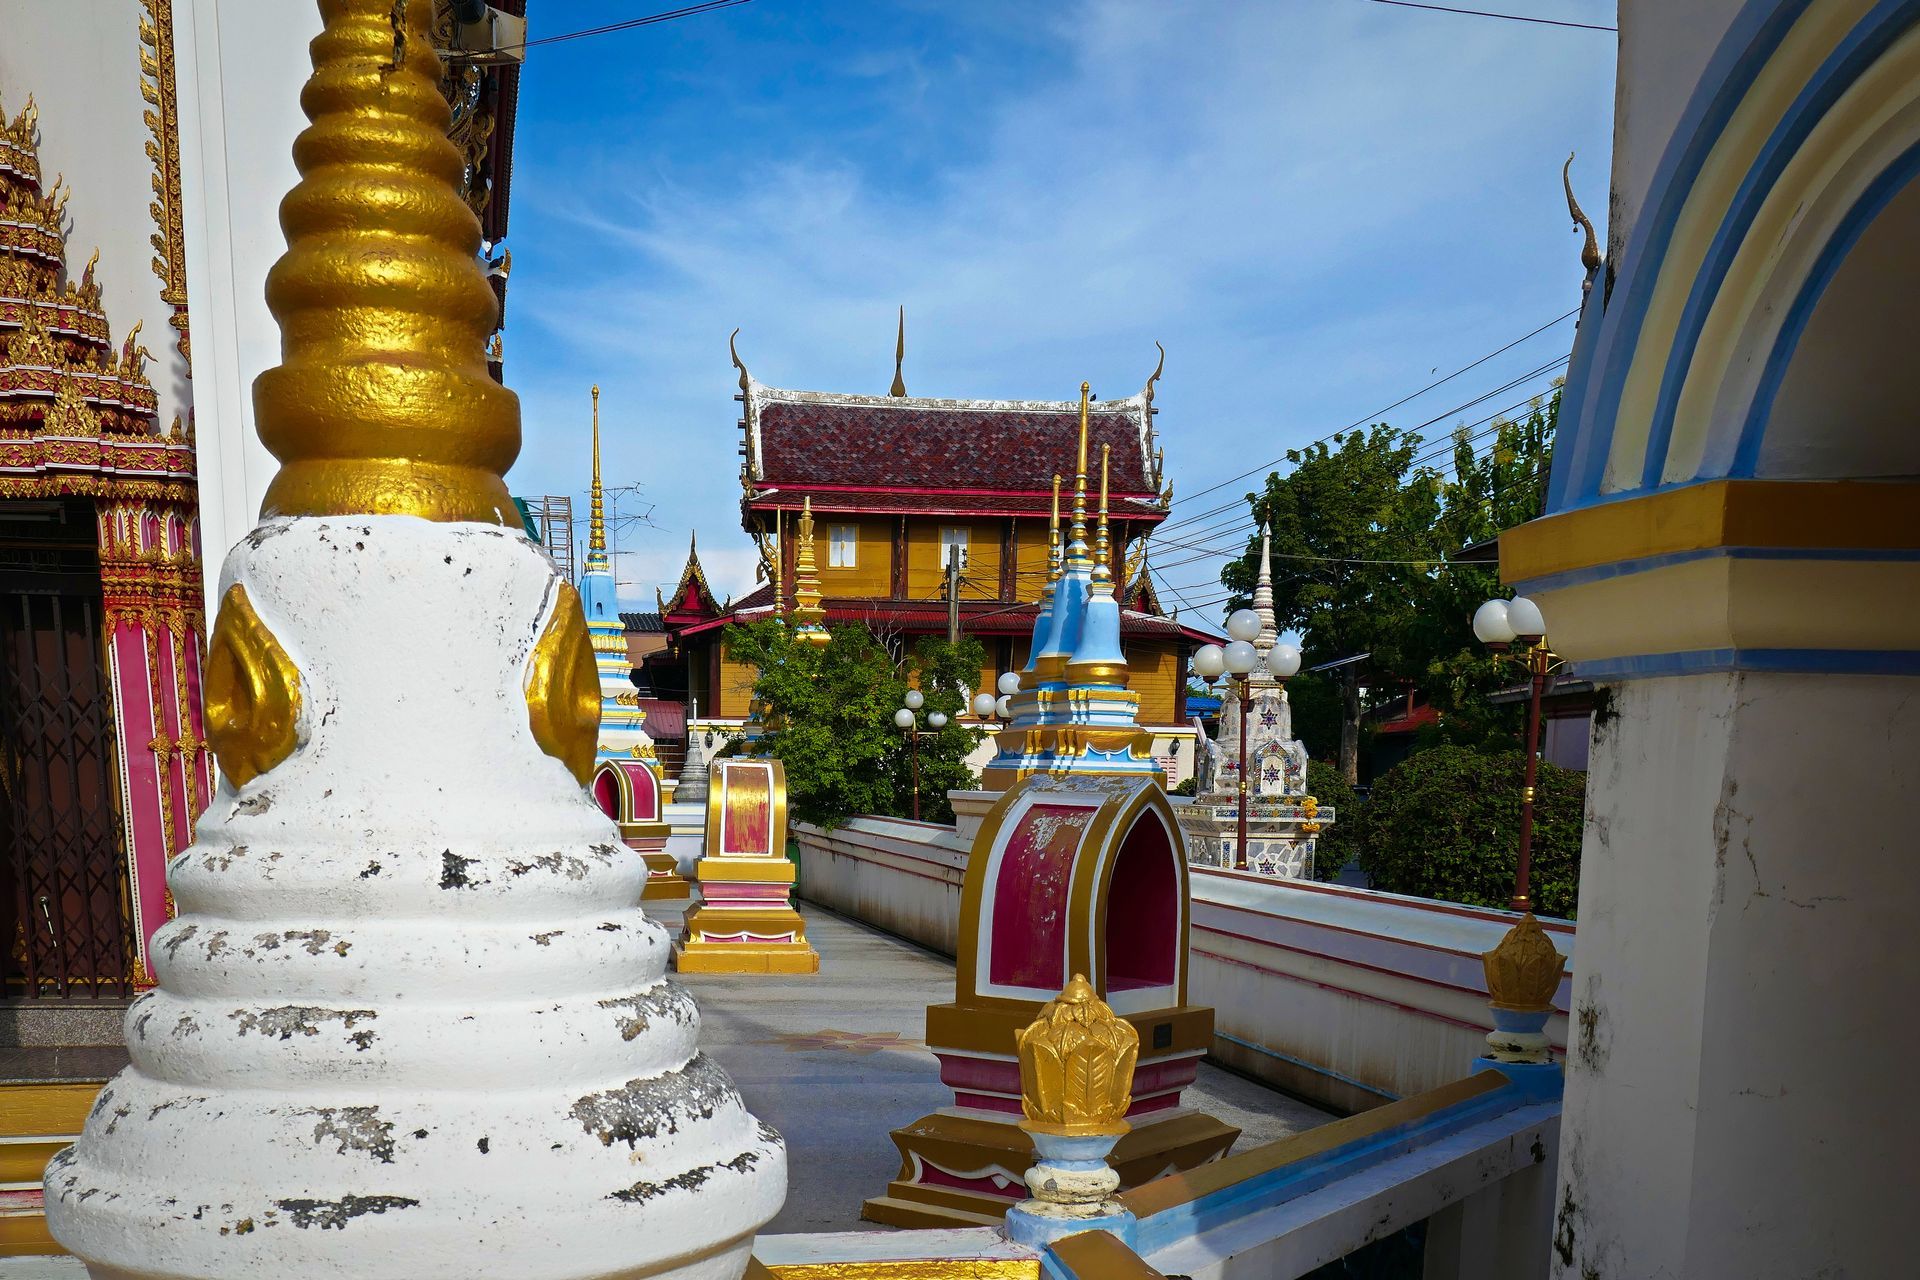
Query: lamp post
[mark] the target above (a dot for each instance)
(1515, 626)
(907, 718)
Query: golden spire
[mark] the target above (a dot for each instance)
(1053, 536)
(382, 402)
(900, 357)
(1077, 535)
(807, 613)
(1102, 551)
(597, 517)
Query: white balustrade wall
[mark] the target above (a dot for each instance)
(1344, 996)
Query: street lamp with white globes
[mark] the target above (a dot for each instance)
(907, 719)
(1516, 627)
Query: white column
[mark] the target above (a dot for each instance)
(1741, 1049)
(237, 63)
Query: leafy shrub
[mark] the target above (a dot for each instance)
(1339, 842)
(1445, 824)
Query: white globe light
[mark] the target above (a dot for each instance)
(1523, 615)
(937, 719)
(983, 705)
(1244, 624)
(1009, 683)
(1209, 662)
(1284, 662)
(915, 700)
(1490, 623)
(903, 718)
(1241, 657)
(1004, 708)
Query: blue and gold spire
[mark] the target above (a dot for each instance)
(621, 718)
(1074, 713)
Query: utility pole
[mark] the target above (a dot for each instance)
(953, 595)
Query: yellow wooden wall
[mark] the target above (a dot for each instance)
(736, 688)
(1154, 666)
(927, 567)
(872, 572)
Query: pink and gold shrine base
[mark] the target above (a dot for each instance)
(745, 922)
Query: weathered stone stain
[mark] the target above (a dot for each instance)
(558, 863)
(692, 1180)
(453, 871)
(330, 1215)
(634, 1014)
(643, 1109)
(355, 1129)
(288, 1020)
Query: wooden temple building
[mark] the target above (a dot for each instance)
(899, 487)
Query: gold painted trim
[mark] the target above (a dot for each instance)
(1100, 1255)
(907, 1269)
(563, 687)
(163, 148)
(716, 806)
(1790, 514)
(251, 691)
(1178, 1189)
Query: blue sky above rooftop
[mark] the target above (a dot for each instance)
(1317, 205)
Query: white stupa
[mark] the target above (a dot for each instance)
(411, 1022)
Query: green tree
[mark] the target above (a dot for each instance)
(1445, 824)
(1339, 842)
(1353, 545)
(828, 711)
(1491, 490)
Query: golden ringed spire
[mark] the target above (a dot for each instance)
(597, 510)
(382, 403)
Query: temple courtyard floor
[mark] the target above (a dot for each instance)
(835, 1060)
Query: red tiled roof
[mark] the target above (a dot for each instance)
(977, 617)
(939, 502)
(959, 449)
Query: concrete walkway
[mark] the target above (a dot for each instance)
(835, 1060)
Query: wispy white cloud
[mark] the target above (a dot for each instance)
(1311, 203)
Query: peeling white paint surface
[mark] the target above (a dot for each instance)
(412, 1021)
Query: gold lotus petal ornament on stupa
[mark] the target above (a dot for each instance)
(1076, 1065)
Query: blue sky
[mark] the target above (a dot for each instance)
(1319, 206)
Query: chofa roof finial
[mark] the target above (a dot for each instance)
(899, 387)
(1590, 252)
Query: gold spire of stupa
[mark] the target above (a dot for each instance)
(807, 612)
(382, 403)
(596, 498)
(1077, 535)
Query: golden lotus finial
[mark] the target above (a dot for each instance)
(1076, 1065)
(382, 402)
(1523, 972)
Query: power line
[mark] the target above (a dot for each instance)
(1479, 430)
(1487, 13)
(1377, 414)
(652, 19)
(1464, 405)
